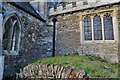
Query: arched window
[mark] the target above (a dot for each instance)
(11, 34)
(97, 28)
(108, 27)
(87, 28)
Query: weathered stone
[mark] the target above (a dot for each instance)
(70, 31)
(53, 72)
(36, 38)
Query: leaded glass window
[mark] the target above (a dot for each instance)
(87, 28)
(108, 27)
(97, 28)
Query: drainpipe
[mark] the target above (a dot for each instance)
(54, 28)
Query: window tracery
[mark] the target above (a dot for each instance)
(98, 26)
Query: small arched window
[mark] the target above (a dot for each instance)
(97, 28)
(108, 27)
(87, 28)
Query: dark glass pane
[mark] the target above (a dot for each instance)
(87, 29)
(108, 27)
(97, 28)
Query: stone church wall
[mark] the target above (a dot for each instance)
(36, 41)
(69, 41)
(68, 34)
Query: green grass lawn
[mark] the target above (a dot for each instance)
(93, 66)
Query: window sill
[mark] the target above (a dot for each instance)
(99, 41)
(5, 52)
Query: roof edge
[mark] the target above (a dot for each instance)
(91, 7)
(18, 6)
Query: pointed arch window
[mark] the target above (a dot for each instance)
(108, 27)
(97, 26)
(87, 28)
(11, 34)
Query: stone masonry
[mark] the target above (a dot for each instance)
(45, 71)
(36, 41)
(69, 34)
(36, 36)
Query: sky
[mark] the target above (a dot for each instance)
(54, 3)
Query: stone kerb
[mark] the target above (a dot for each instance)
(51, 72)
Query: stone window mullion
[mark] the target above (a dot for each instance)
(102, 27)
(115, 26)
(13, 41)
(97, 27)
(12, 34)
(92, 28)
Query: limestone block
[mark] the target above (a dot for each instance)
(59, 73)
(59, 8)
(49, 71)
(21, 75)
(56, 75)
(93, 1)
(69, 6)
(44, 70)
(25, 72)
(53, 71)
(64, 73)
(72, 74)
(81, 74)
(109, 1)
(79, 4)
(51, 10)
(113, 58)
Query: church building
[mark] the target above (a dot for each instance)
(88, 27)
(83, 27)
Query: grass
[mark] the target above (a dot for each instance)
(93, 66)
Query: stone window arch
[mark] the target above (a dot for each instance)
(87, 28)
(108, 27)
(11, 33)
(97, 27)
